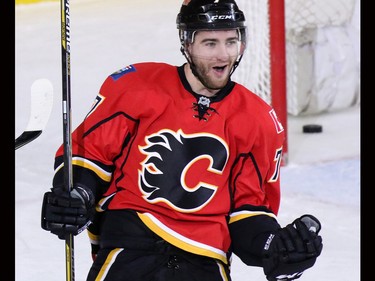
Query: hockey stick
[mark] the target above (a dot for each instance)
(40, 110)
(67, 137)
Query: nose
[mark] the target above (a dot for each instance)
(223, 52)
(227, 50)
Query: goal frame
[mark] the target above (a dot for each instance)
(278, 83)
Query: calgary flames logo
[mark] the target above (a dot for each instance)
(178, 167)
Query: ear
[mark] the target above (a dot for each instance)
(188, 47)
(242, 48)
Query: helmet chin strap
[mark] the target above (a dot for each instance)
(193, 67)
(191, 63)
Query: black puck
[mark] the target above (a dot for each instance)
(312, 128)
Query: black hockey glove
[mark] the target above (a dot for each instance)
(292, 249)
(65, 212)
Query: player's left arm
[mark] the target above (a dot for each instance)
(256, 191)
(257, 237)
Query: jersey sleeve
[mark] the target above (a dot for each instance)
(256, 191)
(99, 140)
(256, 175)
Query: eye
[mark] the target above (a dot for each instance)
(232, 42)
(210, 44)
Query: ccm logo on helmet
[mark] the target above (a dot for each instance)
(221, 17)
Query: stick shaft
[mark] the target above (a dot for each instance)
(67, 142)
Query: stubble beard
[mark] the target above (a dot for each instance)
(204, 77)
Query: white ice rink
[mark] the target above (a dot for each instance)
(321, 178)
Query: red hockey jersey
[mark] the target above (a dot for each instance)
(188, 164)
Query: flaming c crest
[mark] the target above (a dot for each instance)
(170, 157)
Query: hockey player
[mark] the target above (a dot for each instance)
(177, 168)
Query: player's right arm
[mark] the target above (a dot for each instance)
(96, 144)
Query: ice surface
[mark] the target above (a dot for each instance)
(322, 176)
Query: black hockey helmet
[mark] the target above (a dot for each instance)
(210, 15)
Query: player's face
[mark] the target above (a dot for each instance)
(214, 53)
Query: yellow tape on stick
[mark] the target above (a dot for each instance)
(33, 1)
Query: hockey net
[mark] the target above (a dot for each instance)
(321, 54)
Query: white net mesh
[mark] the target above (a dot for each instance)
(253, 70)
(307, 14)
(322, 53)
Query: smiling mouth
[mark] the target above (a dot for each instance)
(219, 68)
